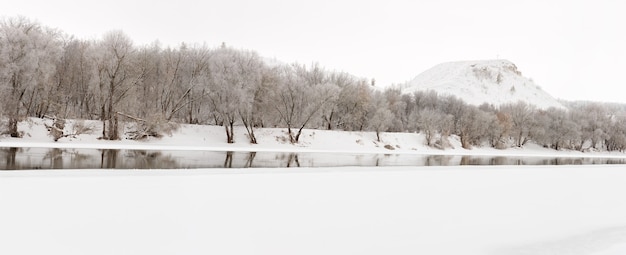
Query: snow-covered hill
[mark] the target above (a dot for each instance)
(476, 82)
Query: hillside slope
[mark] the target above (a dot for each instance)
(476, 82)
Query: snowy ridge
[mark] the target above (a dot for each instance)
(495, 82)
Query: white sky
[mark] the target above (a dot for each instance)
(572, 49)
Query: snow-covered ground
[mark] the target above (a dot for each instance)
(433, 210)
(332, 210)
(213, 138)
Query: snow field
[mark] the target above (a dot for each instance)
(434, 210)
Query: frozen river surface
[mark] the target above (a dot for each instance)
(508, 210)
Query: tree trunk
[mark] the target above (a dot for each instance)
(229, 132)
(111, 135)
(251, 135)
(464, 141)
(299, 133)
(249, 128)
(13, 127)
(116, 129)
(104, 128)
(291, 138)
(330, 121)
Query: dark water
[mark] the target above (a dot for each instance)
(45, 158)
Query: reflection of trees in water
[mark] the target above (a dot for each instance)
(228, 162)
(290, 158)
(250, 159)
(55, 155)
(37, 158)
(142, 159)
(468, 160)
(108, 158)
(9, 158)
(293, 158)
(438, 160)
(498, 161)
(614, 161)
(80, 160)
(136, 159)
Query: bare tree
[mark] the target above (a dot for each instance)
(235, 77)
(192, 86)
(398, 105)
(28, 53)
(72, 97)
(560, 131)
(298, 99)
(381, 119)
(594, 121)
(352, 108)
(521, 115)
(427, 121)
(115, 78)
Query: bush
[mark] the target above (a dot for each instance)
(79, 127)
(56, 130)
(153, 127)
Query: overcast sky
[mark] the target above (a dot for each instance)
(574, 50)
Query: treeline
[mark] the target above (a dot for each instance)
(45, 73)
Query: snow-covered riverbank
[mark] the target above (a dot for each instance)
(198, 137)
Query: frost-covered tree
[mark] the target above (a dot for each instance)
(353, 106)
(115, 79)
(398, 105)
(225, 88)
(557, 130)
(429, 122)
(254, 91)
(191, 96)
(594, 120)
(474, 126)
(235, 83)
(73, 98)
(28, 53)
(616, 140)
(521, 115)
(334, 110)
(299, 99)
(426, 99)
(381, 118)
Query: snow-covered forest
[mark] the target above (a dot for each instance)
(48, 74)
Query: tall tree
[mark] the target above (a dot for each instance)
(381, 118)
(114, 58)
(28, 53)
(300, 98)
(72, 97)
(521, 115)
(235, 79)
